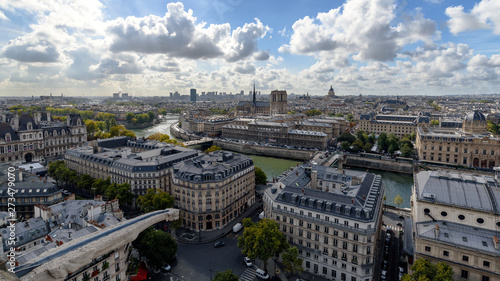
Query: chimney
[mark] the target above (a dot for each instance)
(495, 242)
(352, 201)
(436, 230)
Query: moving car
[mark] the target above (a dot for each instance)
(237, 227)
(248, 261)
(219, 244)
(260, 273)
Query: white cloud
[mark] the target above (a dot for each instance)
(361, 28)
(177, 35)
(3, 16)
(485, 15)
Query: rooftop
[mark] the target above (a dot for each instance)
(478, 192)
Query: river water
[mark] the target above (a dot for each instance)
(395, 183)
(163, 127)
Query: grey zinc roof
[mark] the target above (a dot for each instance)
(362, 198)
(461, 235)
(219, 165)
(461, 190)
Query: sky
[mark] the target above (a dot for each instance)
(154, 47)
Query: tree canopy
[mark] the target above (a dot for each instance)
(423, 270)
(291, 260)
(157, 246)
(227, 275)
(262, 240)
(260, 176)
(398, 200)
(152, 201)
(312, 112)
(212, 149)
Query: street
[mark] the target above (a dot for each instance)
(199, 261)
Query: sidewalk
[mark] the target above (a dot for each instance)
(188, 236)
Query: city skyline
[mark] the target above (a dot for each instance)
(380, 47)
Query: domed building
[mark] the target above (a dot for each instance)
(471, 145)
(331, 92)
(475, 123)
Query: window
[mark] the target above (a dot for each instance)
(480, 220)
(355, 237)
(486, 263)
(465, 274)
(326, 230)
(465, 258)
(446, 253)
(461, 217)
(309, 225)
(427, 248)
(444, 214)
(485, 278)
(346, 235)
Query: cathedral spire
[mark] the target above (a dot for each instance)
(254, 96)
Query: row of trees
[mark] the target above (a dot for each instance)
(65, 177)
(163, 138)
(140, 118)
(361, 141)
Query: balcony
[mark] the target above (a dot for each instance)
(327, 223)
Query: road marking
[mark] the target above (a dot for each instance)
(248, 274)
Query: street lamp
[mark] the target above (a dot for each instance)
(209, 269)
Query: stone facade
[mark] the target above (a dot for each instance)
(277, 133)
(24, 138)
(143, 165)
(456, 219)
(400, 125)
(278, 104)
(471, 146)
(333, 217)
(212, 190)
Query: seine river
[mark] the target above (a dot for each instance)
(395, 183)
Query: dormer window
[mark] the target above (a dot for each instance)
(55, 133)
(30, 126)
(8, 137)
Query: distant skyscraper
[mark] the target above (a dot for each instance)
(193, 95)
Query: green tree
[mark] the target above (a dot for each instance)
(346, 136)
(291, 260)
(162, 111)
(312, 112)
(129, 116)
(350, 117)
(345, 145)
(357, 145)
(382, 142)
(262, 240)
(260, 177)
(152, 201)
(367, 147)
(398, 200)
(151, 115)
(92, 127)
(227, 275)
(492, 127)
(424, 270)
(407, 151)
(339, 115)
(56, 170)
(120, 192)
(85, 182)
(434, 122)
(158, 247)
(211, 149)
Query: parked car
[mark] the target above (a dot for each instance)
(260, 273)
(248, 261)
(219, 244)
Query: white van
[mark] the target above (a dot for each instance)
(237, 227)
(261, 215)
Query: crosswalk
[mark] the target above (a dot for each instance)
(248, 274)
(393, 228)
